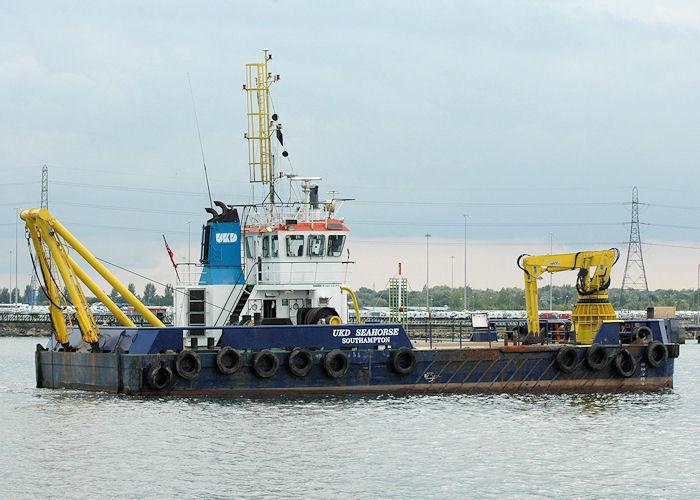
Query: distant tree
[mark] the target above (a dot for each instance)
(5, 296)
(132, 289)
(456, 299)
(366, 297)
(115, 296)
(149, 294)
(28, 296)
(167, 296)
(563, 298)
(43, 300)
(440, 296)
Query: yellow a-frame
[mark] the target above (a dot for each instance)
(51, 243)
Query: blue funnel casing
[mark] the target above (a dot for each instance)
(221, 254)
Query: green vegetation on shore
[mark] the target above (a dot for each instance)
(149, 296)
(563, 298)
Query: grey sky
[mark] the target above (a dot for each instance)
(533, 117)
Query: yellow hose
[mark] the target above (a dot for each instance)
(354, 301)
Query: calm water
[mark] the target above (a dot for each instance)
(77, 444)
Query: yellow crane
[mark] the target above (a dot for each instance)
(592, 283)
(52, 242)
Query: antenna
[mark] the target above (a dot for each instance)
(635, 276)
(201, 147)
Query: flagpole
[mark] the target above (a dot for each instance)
(170, 253)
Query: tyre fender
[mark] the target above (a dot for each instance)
(228, 360)
(403, 361)
(566, 359)
(625, 364)
(159, 376)
(336, 363)
(642, 334)
(265, 364)
(596, 357)
(300, 362)
(188, 364)
(656, 354)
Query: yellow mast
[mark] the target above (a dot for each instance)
(260, 127)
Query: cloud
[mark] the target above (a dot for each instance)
(523, 114)
(677, 14)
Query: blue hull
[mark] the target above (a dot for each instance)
(497, 369)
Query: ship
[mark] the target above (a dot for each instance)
(267, 311)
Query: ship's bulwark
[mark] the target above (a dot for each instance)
(501, 369)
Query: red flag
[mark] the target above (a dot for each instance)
(170, 252)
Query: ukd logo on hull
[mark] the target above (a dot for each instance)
(226, 237)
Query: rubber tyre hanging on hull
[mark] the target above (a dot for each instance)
(642, 334)
(228, 361)
(300, 362)
(597, 357)
(625, 364)
(567, 359)
(403, 361)
(656, 354)
(159, 376)
(188, 364)
(265, 364)
(336, 363)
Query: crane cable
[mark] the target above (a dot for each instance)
(39, 280)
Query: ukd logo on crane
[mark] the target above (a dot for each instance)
(226, 237)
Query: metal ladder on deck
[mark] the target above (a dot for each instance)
(242, 300)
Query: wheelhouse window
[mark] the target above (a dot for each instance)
(317, 244)
(335, 244)
(270, 246)
(250, 247)
(196, 307)
(295, 245)
(274, 245)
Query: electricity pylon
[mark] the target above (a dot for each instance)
(45, 187)
(635, 277)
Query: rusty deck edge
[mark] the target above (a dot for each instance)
(557, 386)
